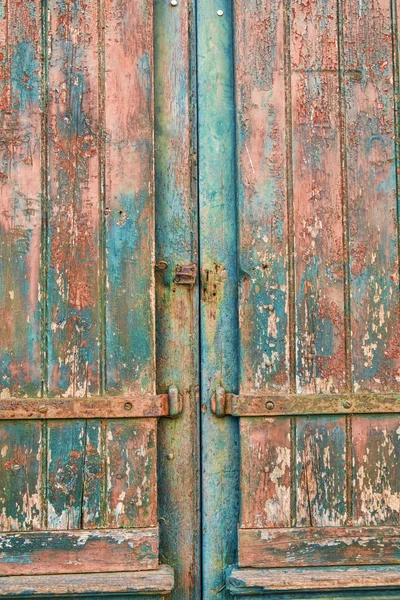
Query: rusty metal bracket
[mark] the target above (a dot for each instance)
(104, 407)
(271, 405)
(186, 274)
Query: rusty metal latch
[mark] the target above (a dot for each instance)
(186, 274)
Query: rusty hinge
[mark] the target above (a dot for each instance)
(103, 407)
(266, 405)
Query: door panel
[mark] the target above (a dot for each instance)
(298, 158)
(87, 366)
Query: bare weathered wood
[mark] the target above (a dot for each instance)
(47, 553)
(376, 451)
(259, 405)
(148, 582)
(244, 582)
(129, 406)
(319, 546)
(321, 471)
(265, 472)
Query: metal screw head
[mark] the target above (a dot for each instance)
(174, 2)
(347, 404)
(170, 456)
(220, 13)
(128, 406)
(269, 405)
(42, 408)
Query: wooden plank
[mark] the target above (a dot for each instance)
(245, 582)
(156, 581)
(319, 546)
(130, 406)
(20, 198)
(103, 551)
(254, 405)
(20, 476)
(321, 471)
(376, 451)
(129, 182)
(65, 462)
(94, 477)
(260, 118)
(317, 198)
(176, 305)
(219, 281)
(131, 473)
(371, 175)
(265, 472)
(73, 286)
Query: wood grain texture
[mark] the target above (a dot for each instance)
(376, 443)
(245, 582)
(263, 261)
(321, 471)
(129, 180)
(371, 178)
(20, 198)
(45, 553)
(73, 287)
(265, 472)
(319, 546)
(20, 476)
(219, 294)
(317, 198)
(131, 473)
(177, 305)
(156, 581)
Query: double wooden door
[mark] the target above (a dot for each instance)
(199, 291)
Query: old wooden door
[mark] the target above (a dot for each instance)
(98, 314)
(299, 250)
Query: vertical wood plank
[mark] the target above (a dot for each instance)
(94, 476)
(73, 198)
(218, 309)
(20, 476)
(66, 442)
(260, 118)
(376, 443)
(321, 472)
(131, 473)
(129, 195)
(177, 306)
(317, 198)
(20, 203)
(265, 472)
(371, 178)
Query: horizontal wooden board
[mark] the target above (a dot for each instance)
(147, 582)
(116, 407)
(246, 582)
(319, 546)
(269, 405)
(45, 553)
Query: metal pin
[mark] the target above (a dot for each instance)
(220, 13)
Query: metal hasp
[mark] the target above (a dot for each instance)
(103, 407)
(258, 405)
(186, 274)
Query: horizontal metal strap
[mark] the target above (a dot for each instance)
(269, 405)
(105, 407)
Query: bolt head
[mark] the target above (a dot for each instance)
(220, 13)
